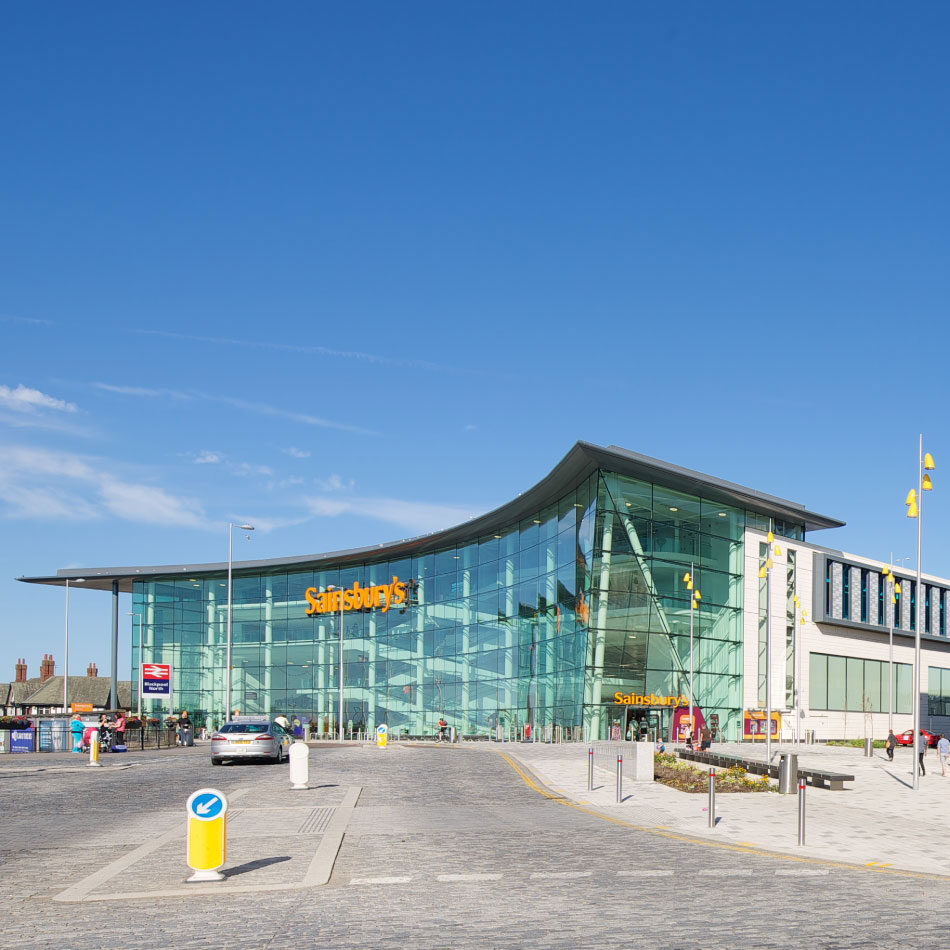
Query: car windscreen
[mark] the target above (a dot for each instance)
(245, 727)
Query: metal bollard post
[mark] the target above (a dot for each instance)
(590, 770)
(619, 779)
(712, 799)
(801, 812)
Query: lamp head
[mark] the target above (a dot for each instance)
(928, 461)
(246, 527)
(927, 484)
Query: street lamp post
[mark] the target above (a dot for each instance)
(75, 580)
(694, 598)
(766, 572)
(340, 684)
(915, 509)
(227, 664)
(138, 689)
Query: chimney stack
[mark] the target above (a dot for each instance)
(47, 667)
(91, 670)
(21, 671)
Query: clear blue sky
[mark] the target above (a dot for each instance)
(357, 273)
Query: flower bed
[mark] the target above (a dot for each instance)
(674, 772)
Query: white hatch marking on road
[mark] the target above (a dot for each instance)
(380, 880)
(450, 878)
(722, 872)
(803, 872)
(559, 875)
(645, 873)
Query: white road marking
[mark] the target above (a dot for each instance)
(803, 872)
(713, 872)
(451, 878)
(645, 873)
(380, 880)
(559, 875)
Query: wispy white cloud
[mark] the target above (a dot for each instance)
(24, 399)
(259, 408)
(334, 483)
(415, 516)
(43, 484)
(141, 391)
(26, 321)
(208, 458)
(296, 453)
(304, 350)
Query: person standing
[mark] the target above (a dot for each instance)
(943, 750)
(921, 751)
(705, 739)
(76, 727)
(118, 730)
(890, 743)
(184, 729)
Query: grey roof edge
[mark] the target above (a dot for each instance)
(581, 460)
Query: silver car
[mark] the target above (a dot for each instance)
(259, 739)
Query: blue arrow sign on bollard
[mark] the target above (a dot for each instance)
(206, 805)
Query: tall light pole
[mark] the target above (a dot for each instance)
(694, 598)
(766, 572)
(138, 688)
(915, 509)
(889, 579)
(340, 589)
(227, 663)
(75, 580)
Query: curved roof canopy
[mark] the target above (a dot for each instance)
(583, 459)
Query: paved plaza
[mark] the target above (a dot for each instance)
(472, 846)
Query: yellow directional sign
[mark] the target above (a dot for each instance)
(381, 731)
(207, 810)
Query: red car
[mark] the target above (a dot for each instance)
(906, 738)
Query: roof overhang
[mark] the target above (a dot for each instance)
(582, 460)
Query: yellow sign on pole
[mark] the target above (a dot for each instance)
(207, 810)
(381, 731)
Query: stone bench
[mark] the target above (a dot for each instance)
(816, 777)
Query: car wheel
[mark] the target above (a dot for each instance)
(215, 761)
(280, 754)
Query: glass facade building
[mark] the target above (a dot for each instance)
(567, 607)
(538, 623)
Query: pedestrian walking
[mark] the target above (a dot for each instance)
(921, 751)
(943, 750)
(705, 739)
(890, 743)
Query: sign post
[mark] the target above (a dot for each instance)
(205, 849)
(381, 732)
(156, 681)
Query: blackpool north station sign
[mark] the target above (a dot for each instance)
(356, 597)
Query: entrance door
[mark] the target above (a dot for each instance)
(644, 724)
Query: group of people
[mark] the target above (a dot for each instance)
(943, 750)
(111, 731)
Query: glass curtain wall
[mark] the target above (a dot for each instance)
(647, 538)
(531, 627)
(494, 634)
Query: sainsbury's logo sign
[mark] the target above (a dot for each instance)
(357, 597)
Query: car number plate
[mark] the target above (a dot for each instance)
(240, 742)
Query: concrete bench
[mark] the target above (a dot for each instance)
(815, 777)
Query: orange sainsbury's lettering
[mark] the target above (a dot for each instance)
(357, 597)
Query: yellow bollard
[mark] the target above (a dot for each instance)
(207, 835)
(94, 747)
(381, 731)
